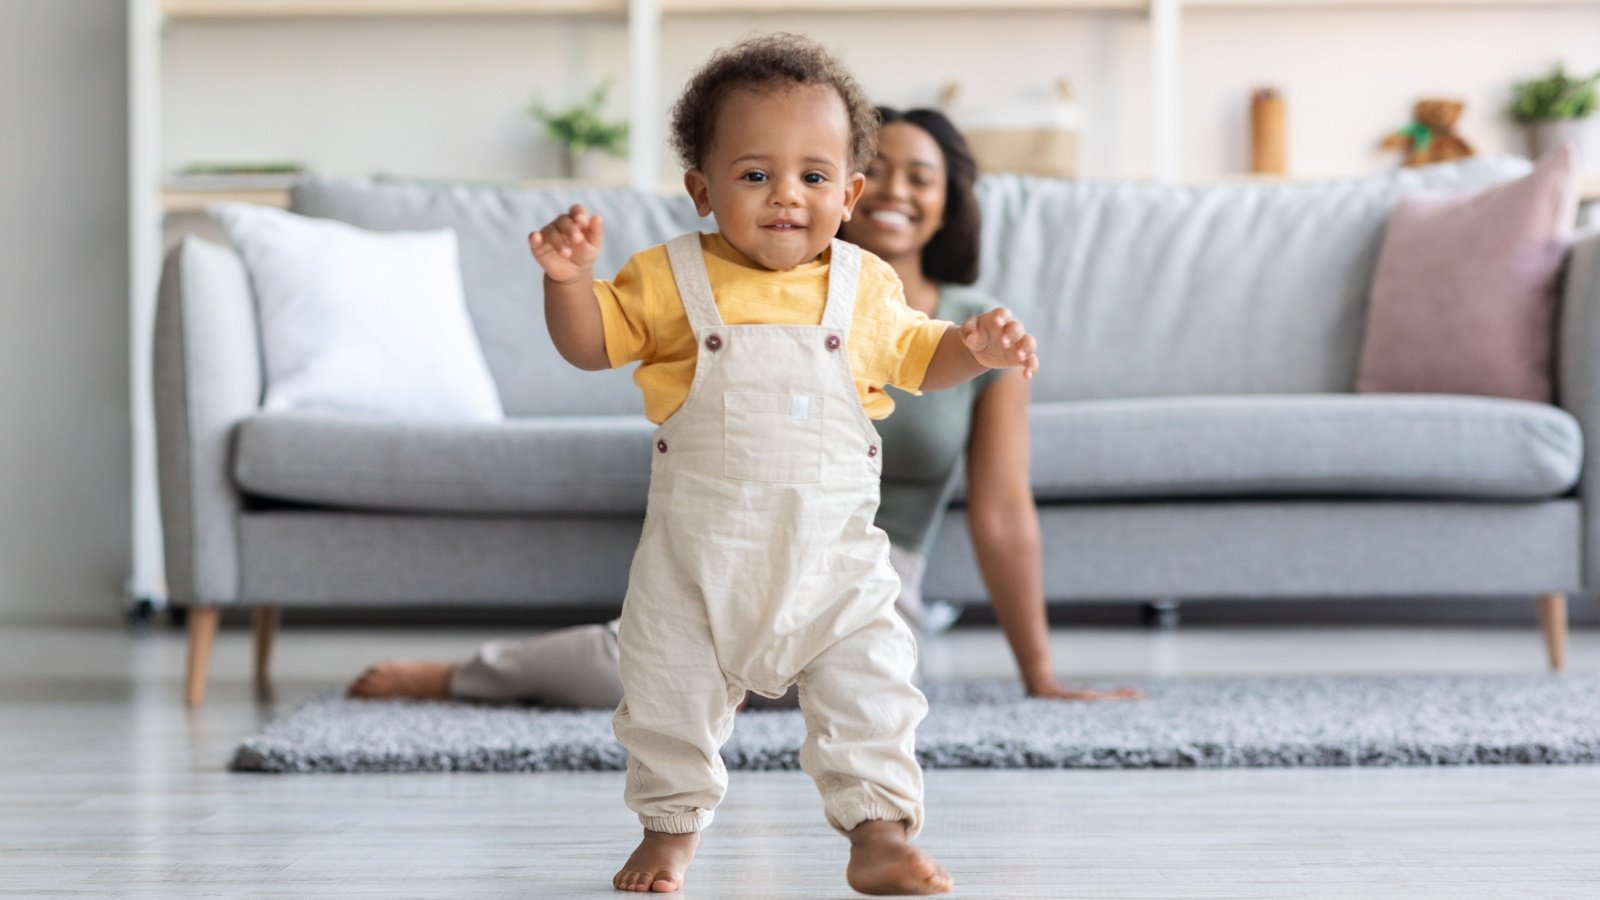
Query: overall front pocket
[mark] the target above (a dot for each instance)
(772, 437)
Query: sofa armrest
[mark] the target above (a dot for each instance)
(207, 378)
(1578, 383)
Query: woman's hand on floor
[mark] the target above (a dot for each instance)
(1054, 690)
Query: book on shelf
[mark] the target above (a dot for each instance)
(235, 176)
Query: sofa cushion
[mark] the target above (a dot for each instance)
(1307, 445)
(359, 321)
(553, 466)
(501, 280)
(1415, 445)
(1463, 301)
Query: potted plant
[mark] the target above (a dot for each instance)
(581, 131)
(1556, 109)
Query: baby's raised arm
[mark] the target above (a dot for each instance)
(566, 249)
(993, 340)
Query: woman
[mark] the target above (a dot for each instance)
(918, 213)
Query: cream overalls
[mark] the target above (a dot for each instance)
(760, 567)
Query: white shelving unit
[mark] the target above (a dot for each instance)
(150, 199)
(145, 219)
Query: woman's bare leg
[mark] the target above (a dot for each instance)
(411, 679)
(574, 667)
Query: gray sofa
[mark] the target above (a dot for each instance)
(1194, 428)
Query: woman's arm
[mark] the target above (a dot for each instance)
(1004, 525)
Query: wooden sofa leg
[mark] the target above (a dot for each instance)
(202, 636)
(264, 621)
(1553, 620)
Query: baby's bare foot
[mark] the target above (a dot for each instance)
(883, 862)
(409, 678)
(658, 863)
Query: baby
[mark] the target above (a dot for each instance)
(763, 352)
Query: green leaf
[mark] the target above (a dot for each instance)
(580, 126)
(1556, 96)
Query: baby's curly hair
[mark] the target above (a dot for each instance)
(770, 60)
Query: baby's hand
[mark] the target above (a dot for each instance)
(567, 247)
(999, 342)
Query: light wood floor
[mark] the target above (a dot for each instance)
(109, 788)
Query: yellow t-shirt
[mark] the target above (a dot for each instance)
(644, 318)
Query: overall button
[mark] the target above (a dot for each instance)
(662, 446)
(713, 342)
(832, 343)
(872, 449)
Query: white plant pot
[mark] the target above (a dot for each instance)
(591, 166)
(1547, 134)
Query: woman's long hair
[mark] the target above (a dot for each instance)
(951, 256)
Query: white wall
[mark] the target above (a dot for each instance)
(1352, 76)
(419, 97)
(64, 474)
(446, 97)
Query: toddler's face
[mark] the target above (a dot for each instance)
(778, 176)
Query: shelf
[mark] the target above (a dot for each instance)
(284, 9)
(194, 200)
(1373, 4)
(928, 6)
(274, 9)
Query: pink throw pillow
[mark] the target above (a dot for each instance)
(1463, 300)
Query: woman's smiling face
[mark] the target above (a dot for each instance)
(903, 204)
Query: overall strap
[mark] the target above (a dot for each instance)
(694, 285)
(844, 270)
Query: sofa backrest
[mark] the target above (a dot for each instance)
(1141, 289)
(1133, 289)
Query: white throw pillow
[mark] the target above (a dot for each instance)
(358, 321)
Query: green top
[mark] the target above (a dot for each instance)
(925, 438)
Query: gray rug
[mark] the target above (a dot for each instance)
(1322, 721)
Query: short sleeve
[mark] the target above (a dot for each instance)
(914, 337)
(627, 314)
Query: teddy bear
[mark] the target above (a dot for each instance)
(1431, 138)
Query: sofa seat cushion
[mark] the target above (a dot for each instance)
(1418, 445)
(548, 465)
